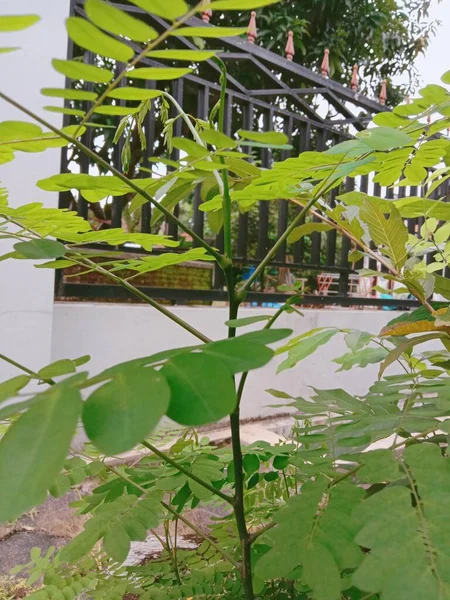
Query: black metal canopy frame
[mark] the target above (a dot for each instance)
(265, 91)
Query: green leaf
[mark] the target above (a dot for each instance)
(247, 321)
(217, 138)
(250, 463)
(11, 387)
(442, 286)
(265, 137)
(355, 340)
(361, 358)
(195, 381)
(185, 55)
(306, 229)
(123, 412)
(239, 354)
(118, 22)
(58, 368)
(318, 529)
(168, 10)
(7, 50)
(74, 69)
(69, 93)
(88, 36)
(158, 73)
(33, 450)
(303, 346)
(446, 77)
(390, 235)
(407, 346)
(384, 138)
(37, 249)
(190, 147)
(117, 543)
(378, 466)
(132, 93)
(63, 110)
(120, 111)
(17, 22)
(240, 4)
(408, 551)
(209, 32)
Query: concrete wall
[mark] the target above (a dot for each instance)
(116, 333)
(26, 294)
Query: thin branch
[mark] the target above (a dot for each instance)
(130, 182)
(322, 188)
(188, 473)
(191, 525)
(137, 292)
(175, 25)
(253, 536)
(26, 369)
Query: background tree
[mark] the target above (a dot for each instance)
(384, 37)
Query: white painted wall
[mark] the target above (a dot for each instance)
(116, 333)
(26, 294)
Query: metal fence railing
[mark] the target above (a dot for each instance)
(264, 91)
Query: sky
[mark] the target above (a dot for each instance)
(437, 58)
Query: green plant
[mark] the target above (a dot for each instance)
(324, 516)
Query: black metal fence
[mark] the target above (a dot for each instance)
(265, 91)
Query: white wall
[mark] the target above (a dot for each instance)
(116, 333)
(26, 294)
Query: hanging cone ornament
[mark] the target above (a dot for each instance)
(290, 50)
(325, 66)
(252, 32)
(383, 92)
(354, 80)
(206, 14)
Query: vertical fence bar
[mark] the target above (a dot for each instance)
(177, 93)
(264, 206)
(316, 237)
(345, 249)
(87, 138)
(146, 209)
(219, 280)
(199, 216)
(305, 143)
(118, 201)
(283, 205)
(242, 238)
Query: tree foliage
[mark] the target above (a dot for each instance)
(327, 515)
(383, 37)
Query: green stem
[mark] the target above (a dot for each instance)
(239, 509)
(130, 182)
(136, 60)
(203, 535)
(25, 369)
(262, 265)
(188, 473)
(195, 134)
(137, 292)
(191, 525)
(226, 199)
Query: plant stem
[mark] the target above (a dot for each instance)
(175, 25)
(195, 529)
(130, 182)
(200, 533)
(188, 473)
(195, 135)
(25, 369)
(262, 265)
(226, 199)
(137, 292)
